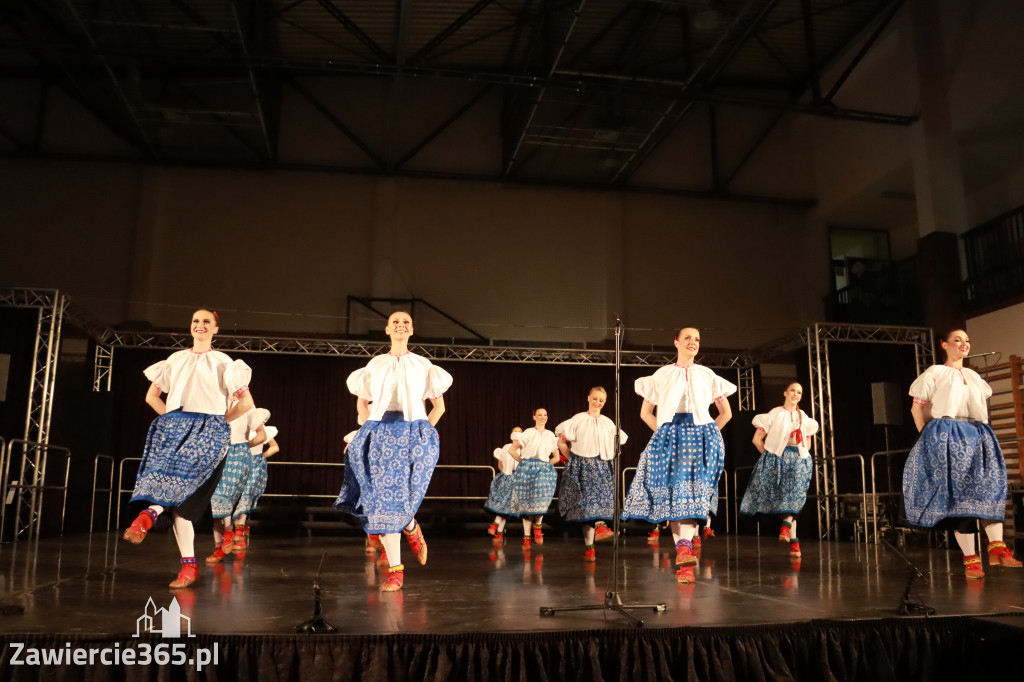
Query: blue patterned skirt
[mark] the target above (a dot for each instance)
(778, 484)
(499, 501)
(533, 486)
(389, 466)
(587, 490)
(677, 477)
(955, 469)
(254, 485)
(183, 449)
(232, 481)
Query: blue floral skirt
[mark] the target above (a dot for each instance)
(232, 480)
(778, 484)
(388, 469)
(677, 477)
(533, 486)
(183, 450)
(587, 490)
(499, 501)
(955, 469)
(253, 486)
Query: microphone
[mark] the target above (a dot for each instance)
(981, 355)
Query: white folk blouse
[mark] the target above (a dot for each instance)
(400, 382)
(592, 436)
(693, 388)
(952, 392)
(784, 428)
(538, 444)
(200, 382)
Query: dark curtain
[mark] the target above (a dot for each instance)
(887, 650)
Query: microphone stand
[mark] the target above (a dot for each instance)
(316, 624)
(907, 605)
(612, 598)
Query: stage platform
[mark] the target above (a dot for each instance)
(475, 609)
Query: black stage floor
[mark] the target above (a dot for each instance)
(99, 585)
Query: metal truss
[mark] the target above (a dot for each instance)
(50, 305)
(818, 338)
(600, 83)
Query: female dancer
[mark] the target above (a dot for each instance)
(499, 501)
(587, 484)
(677, 477)
(188, 440)
(237, 469)
(956, 469)
(778, 484)
(392, 457)
(534, 480)
(255, 484)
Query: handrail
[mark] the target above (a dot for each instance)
(109, 490)
(863, 489)
(874, 487)
(36, 490)
(121, 490)
(736, 493)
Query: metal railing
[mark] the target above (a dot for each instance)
(120, 491)
(724, 479)
(874, 486)
(36, 489)
(109, 490)
(815, 496)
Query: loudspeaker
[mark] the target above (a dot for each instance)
(887, 404)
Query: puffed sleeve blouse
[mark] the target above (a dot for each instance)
(952, 392)
(592, 436)
(406, 380)
(781, 427)
(695, 386)
(200, 382)
(535, 444)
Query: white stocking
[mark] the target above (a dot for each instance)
(588, 533)
(185, 535)
(966, 542)
(392, 547)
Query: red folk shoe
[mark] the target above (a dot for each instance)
(685, 555)
(216, 557)
(654, 537)
(589, 554)
(538, 535)
(188, 574)
(794, 550)
(684, 574)
(396, 576)
(499, 539)
(603, 533)
(784, 532)
(527, 543)
(417, 543)
(1000, 555)
(136, 532)
(972, 567)
(492, 529)
(228, 543)
(708, 533)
